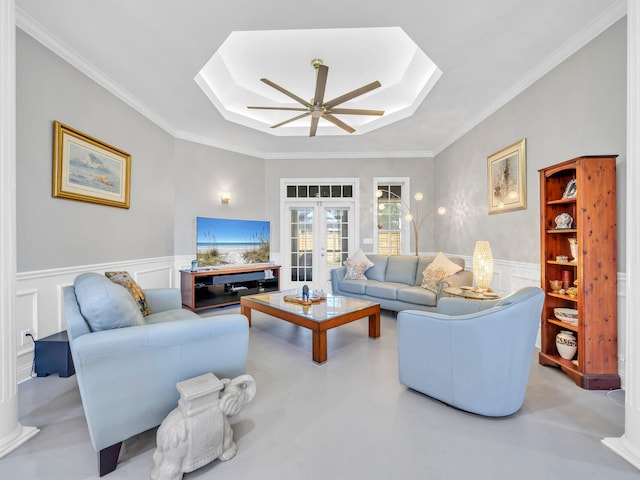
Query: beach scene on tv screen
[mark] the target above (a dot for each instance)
(223, 241)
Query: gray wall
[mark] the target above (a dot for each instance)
(202, 173)
(579, 108)
(53, 232)
(420, 171)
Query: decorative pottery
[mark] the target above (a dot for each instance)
(564, 220)
(568, 315)
(573, 246)
(567, 278)
(555, 285)
(566, 344)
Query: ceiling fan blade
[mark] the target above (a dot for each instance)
(356, 111)
(321, 83)
(353, 94)
(291, 120)
(286, 92)
(295, 109)
(338, 123)
(314, 126)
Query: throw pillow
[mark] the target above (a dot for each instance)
(436, 271)
(124, 279)
(356, 265)
(355, 270)
(432, 276)
(360, 257)
(443, 262)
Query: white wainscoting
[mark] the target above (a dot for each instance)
(39, 298)
(39, 295)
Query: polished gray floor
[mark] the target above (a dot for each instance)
(348, 419)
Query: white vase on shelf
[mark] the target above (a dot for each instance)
(566, 344)
(573, 246)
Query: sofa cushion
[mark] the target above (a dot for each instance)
(379, 267)
(104, 304)
(353, 286)
(401, 269)
(417, 295)
(386, 290)
(170, 316)
(124, 279)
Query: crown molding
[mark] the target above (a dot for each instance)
(347, 155)
(571, 46)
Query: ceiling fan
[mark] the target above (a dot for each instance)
(317, 108)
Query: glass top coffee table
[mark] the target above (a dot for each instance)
(317, 317)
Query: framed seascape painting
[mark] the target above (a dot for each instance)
(89, 170)
(507, 178)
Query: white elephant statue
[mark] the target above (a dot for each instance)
(198, 430)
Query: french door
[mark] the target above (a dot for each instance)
(320, 236)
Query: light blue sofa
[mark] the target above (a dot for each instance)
(394, 282)
(474, 355)
(127, 376)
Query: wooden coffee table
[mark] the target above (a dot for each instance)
(318, 317)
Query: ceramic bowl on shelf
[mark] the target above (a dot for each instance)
(567, 315)
(555, 285)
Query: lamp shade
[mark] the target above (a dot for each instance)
(482, 265)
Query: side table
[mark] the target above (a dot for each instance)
(470, 293)
(52, 355)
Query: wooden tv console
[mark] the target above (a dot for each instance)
(219, 286)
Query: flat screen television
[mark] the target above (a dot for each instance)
(224, 241)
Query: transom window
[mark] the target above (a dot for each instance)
(319, 191)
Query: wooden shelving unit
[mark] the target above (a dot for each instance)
(593, 209)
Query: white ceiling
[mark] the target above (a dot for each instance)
(231, 78)
(148, 53)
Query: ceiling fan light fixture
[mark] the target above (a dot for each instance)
(318, 108)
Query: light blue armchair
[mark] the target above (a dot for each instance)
(473, 355)
(127, 376)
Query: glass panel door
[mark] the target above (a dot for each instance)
(318, 242)
(301, 240)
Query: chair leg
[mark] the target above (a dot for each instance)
(108, 459)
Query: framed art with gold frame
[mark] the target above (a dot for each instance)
(89, 170)
(507, 178)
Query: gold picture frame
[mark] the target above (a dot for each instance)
(89, 170)
(507, 178)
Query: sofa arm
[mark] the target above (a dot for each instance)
(463, 277)
(127, 376)
(162, 299)
(337, 274)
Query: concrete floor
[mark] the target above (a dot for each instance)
(348, 419)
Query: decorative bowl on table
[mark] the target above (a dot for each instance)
(567, 315)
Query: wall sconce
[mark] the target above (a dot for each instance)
(225, 197)
(482, 265)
